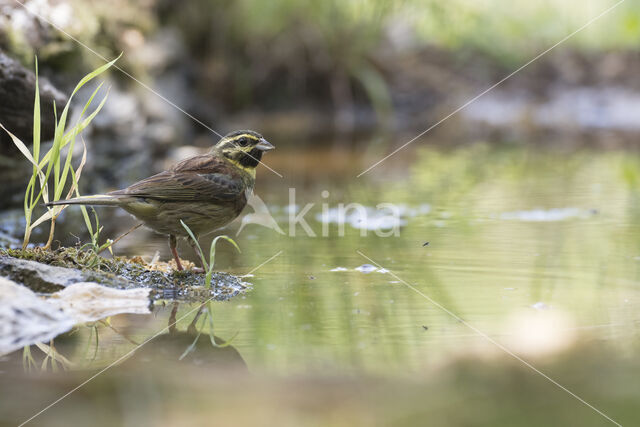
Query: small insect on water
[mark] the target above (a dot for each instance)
(425, 244)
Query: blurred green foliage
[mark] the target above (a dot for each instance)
(267, 54)
(517, 30)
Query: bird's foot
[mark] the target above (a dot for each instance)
(179, 266)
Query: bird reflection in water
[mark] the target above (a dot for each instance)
(193, 345)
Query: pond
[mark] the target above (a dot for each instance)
(507, 263)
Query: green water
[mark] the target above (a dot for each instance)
(537, 251)
(507, 228)
(487, 262)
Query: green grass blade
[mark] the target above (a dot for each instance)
(61, 139)
(75, 175)
(57, 148)
(204, 261)
(73, 133)
(20, 145)
(36, 133)
(65, 171)
(95, 238)
(212, 250)
(86, 79)
(28, 196)
(212, 257)
(29, 203)
(85, 214)
(76, 131)
(82, 82)
(45, 162)
(81, 125)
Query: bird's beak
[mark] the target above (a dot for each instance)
(264, 145)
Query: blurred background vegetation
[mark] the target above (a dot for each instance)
(348, 65)
(367, 73)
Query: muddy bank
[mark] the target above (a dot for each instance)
(47, 293)
(51, 271)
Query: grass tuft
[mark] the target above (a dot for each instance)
(208, 266)
(53, 164)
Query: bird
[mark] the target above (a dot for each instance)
(206, 191)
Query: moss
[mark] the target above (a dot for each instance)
(65, 257)
(87, 260)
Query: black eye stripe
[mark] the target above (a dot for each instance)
(241, 140)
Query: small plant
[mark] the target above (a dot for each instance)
(53, 163)
(208, 266)
(93, 332)
(94, 247)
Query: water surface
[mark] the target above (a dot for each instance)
(537, 249)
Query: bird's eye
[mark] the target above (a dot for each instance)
(243, 142)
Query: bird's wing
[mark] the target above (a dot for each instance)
(198, 178)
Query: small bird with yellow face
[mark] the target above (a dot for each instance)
(206, 192)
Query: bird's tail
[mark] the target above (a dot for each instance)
(97, 199)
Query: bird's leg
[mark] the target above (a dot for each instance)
(174, 251)
(193, 244)
(192, 327)
(172, 318)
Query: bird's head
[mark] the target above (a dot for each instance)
(243, 147)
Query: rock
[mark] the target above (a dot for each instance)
(90, 302)
(39, 277)
(26, 319)
(184, 286)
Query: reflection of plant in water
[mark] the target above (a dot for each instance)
(192, 329)
(94, 338)
(54, 359)
(51, 357)
(87, 354)
(107, 322)
(27, 359)
(93, 330)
